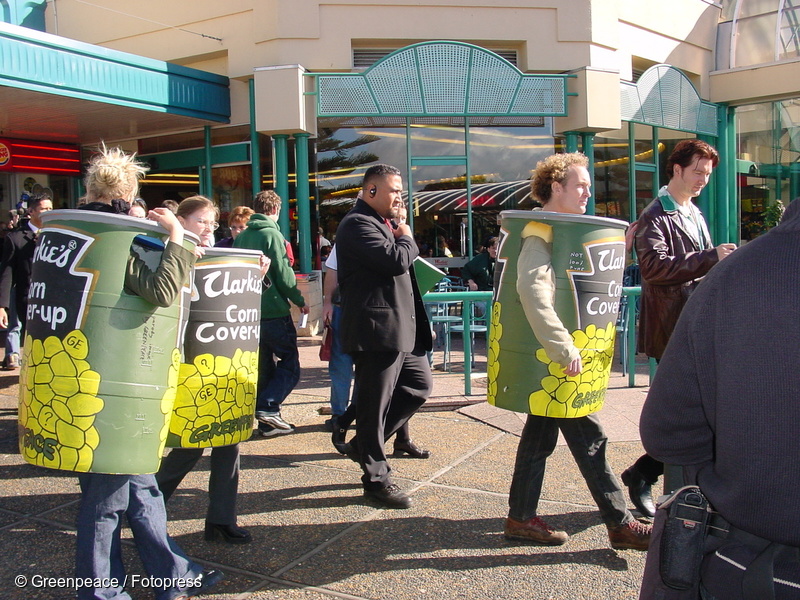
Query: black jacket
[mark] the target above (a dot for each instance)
(15, 268)
(382, 308)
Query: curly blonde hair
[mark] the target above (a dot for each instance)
(554, 168)
(113, 175)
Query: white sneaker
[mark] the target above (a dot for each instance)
(269, 431)
(273, 420)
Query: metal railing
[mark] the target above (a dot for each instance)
(633, 293)
(467, 299)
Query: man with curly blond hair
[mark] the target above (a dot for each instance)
(562, 184)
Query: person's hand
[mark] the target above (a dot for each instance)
(263, 263)
(164, 217)
(574, 367)
(3, 318)
(473, 287)
(327, 313)
(304, 309)
(167, 219)
(403, 229)
(199, 251)
(724, 250)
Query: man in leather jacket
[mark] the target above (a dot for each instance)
(675, 251)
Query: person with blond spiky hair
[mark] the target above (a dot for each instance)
(112, 183)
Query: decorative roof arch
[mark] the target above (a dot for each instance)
(664, 97)
(440, 79)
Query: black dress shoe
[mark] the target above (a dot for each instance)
(409, 448)
(640, 491)
(231, 534)
(207, 580)
(338, 437)
(391, 496)
(351, 452)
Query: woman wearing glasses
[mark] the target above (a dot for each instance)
(199, 215)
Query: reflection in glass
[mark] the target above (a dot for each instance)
(500, 159)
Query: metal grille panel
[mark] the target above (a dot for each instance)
(664, 97)
(337, 96)
(493, 83)
(441, 78)
(395, 82)
(542, 95)
(444, 70)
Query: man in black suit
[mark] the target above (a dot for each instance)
(383, 325)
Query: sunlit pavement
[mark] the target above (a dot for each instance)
(316, 536)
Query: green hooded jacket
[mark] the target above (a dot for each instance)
(262, 233)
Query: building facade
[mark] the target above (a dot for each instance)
(302, 96)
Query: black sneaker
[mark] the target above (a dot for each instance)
(391, 496)
(206, 580)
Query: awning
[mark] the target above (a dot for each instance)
(54, 88)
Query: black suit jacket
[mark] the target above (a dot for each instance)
(15, 268)
(382, 308)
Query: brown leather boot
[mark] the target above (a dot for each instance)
(631, 536)
(534, 530)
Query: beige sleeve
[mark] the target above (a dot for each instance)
(536, 288)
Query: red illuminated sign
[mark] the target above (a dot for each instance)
(39, 157)
(5, 156)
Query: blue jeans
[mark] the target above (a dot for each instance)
(14, 327)
(105, 500)
(587, 442)
(340, 368)
(278, 363)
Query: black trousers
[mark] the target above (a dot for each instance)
(223, 479)
(390, 387)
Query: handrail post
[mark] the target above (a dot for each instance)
(632, 293)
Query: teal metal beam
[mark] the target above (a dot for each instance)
(571, 141)
(303, 201)
(281, 170)
(587, 141)
(206, 181)
(733, 233)
(189, 159)
(255, 146)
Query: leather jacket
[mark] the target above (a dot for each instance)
(672, 263)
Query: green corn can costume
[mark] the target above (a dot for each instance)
(100, 365)
(588, 259)
(217, 381)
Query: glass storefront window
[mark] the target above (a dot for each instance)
(499, 159)
(761, 31)
(768, 162)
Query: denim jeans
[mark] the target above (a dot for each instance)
(587, 443)
(278, 363)
(340, 368)
(105, 500)
(14, 327)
